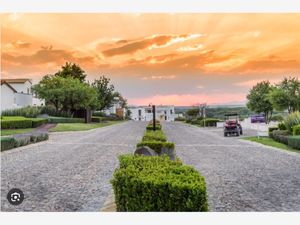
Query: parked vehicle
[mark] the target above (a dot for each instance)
(232, 125)
(259, 118)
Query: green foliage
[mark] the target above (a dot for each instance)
(281, 126)
(37, 137)
(158, 184)
(73, 71)
(7, 143)
(28, 111)
(150, 127)
(209, 122)
(294, 142)
(105, 92)
(258, 99)
(193, 112)
(99, 114)
(291, 120)
(180, 119)
(277, 118)
(36, 122)
(280, 136)
(156, 145)
(286, 95)
(157, 135)
(65, 120)
(66, 94)
(270, 131)
(296, 130)
(15, 123)
(52, 111)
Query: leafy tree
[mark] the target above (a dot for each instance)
(286, 95)
(119, 98)
(194, 112)
(106, 92)
(71, 70)
(258, 99)
(66, 94)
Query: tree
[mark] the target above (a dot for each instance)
(120, 99)
(286, 95)
(105, 92)
(258, 99)
(66, 94)
(194, 112)
(71, 70)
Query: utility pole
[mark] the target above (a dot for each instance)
(154, 119)
(202, 108)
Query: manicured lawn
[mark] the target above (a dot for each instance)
(270, 142)
(15, 131)
(80, 126)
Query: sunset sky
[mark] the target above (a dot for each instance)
(173, 59)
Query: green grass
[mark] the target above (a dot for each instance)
(15, 131)
(270, 142)
(80, 126)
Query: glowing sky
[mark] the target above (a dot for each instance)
(179, 59)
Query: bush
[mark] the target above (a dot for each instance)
(278, 118)
(180, 119)
(157, 135)
(270, 131)
(296, 130)
(158, 184)
(37, 137)
(157, 146)
(150, 127)
(280, 136)
(281, 126)
(294, 142)
(7, 143)
(292, 120)
(36, 122)
(99, 114)
(65, 120)
(209, 122)
(28, 111)
(15, 123)
(51, 111)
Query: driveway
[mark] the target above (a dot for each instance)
(70, 172)
(240, 175)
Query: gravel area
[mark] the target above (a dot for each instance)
(69, 172)
(240, 175)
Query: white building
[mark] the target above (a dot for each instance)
(16, 93)
(144, 113)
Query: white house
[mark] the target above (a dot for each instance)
(16, 93)
(144, 113)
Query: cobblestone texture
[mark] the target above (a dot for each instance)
(69, 172)
(240, 175)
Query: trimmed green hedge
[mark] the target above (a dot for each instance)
(15, 123)
(36, 122)
(270, 131)
(280, 136)
(156, 145)
(180, 119)
(294, 141)
(158, 184)
(150, 127)
(7, 143)
(209, 122)
(65, 120)
(21, 140)
(296, 130)
(157, 135)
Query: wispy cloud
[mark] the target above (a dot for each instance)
(171, 77)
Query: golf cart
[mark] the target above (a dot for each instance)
(232, 125)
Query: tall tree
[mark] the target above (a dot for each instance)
(105, 92)
(66, 94)
(258, 99)
(286, 95)
(71, 70)
(120, 99)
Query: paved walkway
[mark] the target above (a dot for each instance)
(69, 172)
(240, 175)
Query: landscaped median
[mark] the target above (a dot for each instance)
(60, 127)
(158, 182)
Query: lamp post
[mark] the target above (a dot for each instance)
(153, 112)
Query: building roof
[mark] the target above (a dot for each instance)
(8, 85)
(17, 80)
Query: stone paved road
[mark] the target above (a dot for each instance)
(70, 172)
(240, 175)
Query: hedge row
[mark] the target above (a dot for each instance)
(157, 135)
(158, 184)
(157, 146)
(21, 123)
(65, 120)
(208, 122)
(157, 125)
(21, 140)
(280, 136)
(294, 141)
